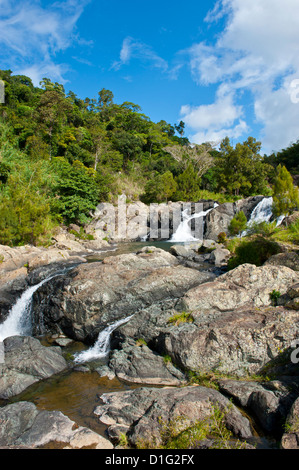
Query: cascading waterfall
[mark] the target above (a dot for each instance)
(183, 232)
(263, 212)
(101, 347)
(18, 322)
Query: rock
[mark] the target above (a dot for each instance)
(220, 256)
(291, 219)
(27, 362)
(234, 330)
(290, 260)
(246, 285)
(63, 342)
(98, 294)
(180, 250)
(236, 343)
(248, 205)
(268, 402)
(12, 284)
(24, 426)
(218, 220)
(290, 439)
(144, 410)
(138, 364)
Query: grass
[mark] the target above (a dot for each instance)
(183, 317)
(180, 433)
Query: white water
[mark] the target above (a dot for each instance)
(263, 213)
(18, 322)
(184, 232)
(101, 347)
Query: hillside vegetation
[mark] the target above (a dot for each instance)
(61, 155)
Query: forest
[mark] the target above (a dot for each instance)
(61, 155)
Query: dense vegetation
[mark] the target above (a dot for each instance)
(61, 155)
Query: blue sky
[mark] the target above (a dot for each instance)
(224, 67)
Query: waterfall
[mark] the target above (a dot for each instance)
(262, 212)
(101, 347)
(183, 232)
(18, 321)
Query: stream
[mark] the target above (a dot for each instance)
(77, 391)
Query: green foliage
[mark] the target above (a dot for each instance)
(285, 194)
(183, 433)
(255, 251)
(241, 170)
(238, 224)
(67, 155)
(160, 188)
(188, 185)
(183, 317)
(221, 238)
(274, 296)
(288, 157)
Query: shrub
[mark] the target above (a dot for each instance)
(255, 251)
(238, 224)
(274, 296)
(222, 237)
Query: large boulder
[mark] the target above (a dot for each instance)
(269, 402)
(136, 362)
(247, 285)
(26, 361)
(98, 294)
(289, 259)
(142, 413)
(235, 329)
(218, 220)
(24, 426)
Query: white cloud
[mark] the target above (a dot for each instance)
(257, 51)
(134, 49)
(31, 35)
(215, 121)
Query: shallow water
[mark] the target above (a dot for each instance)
(73, 392)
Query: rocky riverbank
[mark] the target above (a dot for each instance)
(198, 342)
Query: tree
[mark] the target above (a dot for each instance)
(285, 194)
(241, 170)
(188, 185)
(198, 155)
(160, 188)
(238, 224)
